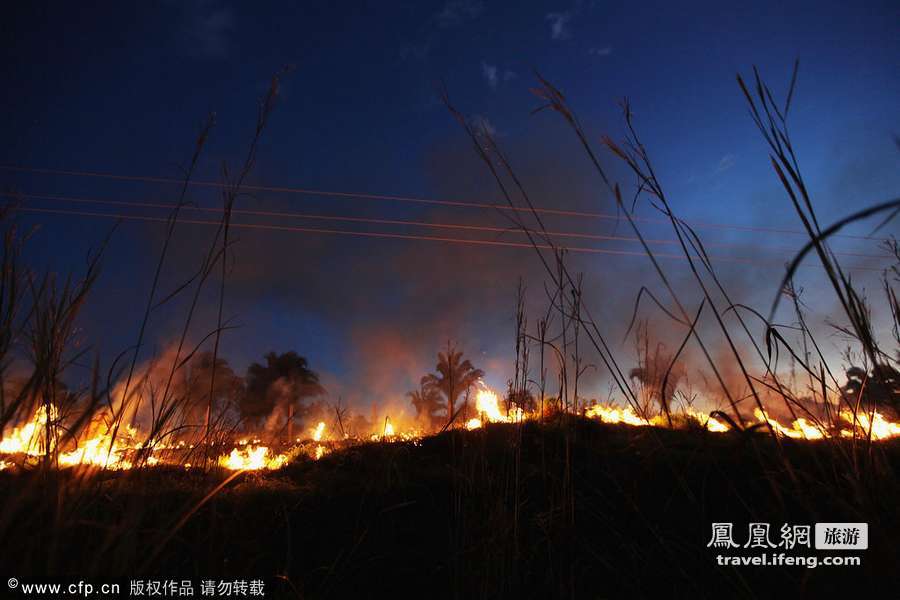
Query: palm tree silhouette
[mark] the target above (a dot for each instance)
(453, 377)
(427, 401)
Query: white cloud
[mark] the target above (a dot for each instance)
(489, 72)
(453, 13)
(559, 25)
(457, 12)
(605, 51)
(725, 163)
(494, 75)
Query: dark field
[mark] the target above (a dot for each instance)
(574, 509)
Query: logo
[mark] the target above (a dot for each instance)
(842, 536)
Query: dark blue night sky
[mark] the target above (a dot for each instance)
(122, 88)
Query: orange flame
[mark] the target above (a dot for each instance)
(318, 431)
(252, 458)
(487, 403)
(97, 449)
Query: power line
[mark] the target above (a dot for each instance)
(412, 199)
(402, 236)
(401, 222)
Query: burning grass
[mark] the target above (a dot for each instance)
(26, 444)
(575, 507)
(527, 494)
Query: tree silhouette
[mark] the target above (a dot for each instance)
(285, 380)
(227, 388)
(453, 376)
(880, 388)
(427, 401)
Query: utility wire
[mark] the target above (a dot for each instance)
(402, 236)
(383, 221)
(418, 200)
